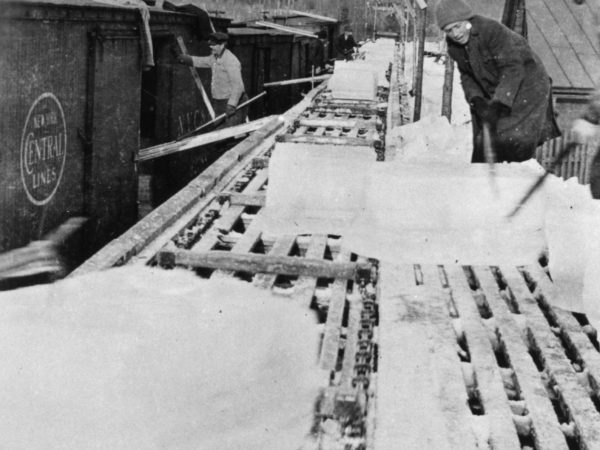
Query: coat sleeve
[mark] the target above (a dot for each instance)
(203, 61)
(592, 112)
(470, 86)
(510, 53)
(234, 72)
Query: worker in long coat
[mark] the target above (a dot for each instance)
(504, 82)
(586, 129)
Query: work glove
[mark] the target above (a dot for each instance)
(488, 111)
(230, 111)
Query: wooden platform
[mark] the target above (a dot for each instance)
(478, 358)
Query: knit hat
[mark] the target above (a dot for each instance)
(450, 11)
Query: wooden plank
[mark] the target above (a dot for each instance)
(373, 122)
(169, 148)
(425, 400)
(282, 247)
(581, 410)
(304, 287)
(239, 199)
(351, 344)
(546, 429)
(197, 80)
(230, 216)
(245, 244)
(333, 323)
(543, 49)
(257, 263)
(570, 328)
(303, 139)
(298, 80)
(489, 379)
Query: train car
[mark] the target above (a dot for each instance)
(85, 85)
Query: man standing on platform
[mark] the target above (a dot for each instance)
(504, 82)
(227, 87)
(345, 45)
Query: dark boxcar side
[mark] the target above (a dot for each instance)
(70, 120)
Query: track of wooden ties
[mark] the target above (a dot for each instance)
(349, 321)
(486, 351)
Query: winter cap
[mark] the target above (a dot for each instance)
(450, 11)
(218, 38)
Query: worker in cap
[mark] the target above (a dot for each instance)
(503, 80)
(345, 45)
(318, 50)
(227, 87)
(586, 129)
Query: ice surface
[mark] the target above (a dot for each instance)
(412, 213)
(148, 359)
(353, 80)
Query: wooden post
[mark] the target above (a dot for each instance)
(418, 88)
(447, 92)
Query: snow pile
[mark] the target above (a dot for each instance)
(432, 140)
(145, 358)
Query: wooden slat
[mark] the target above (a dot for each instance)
(239, 199)
(333, 323)
(489, 380)
(282, 247)
(351, 344)
(546, 430)
(304, 287)
(339, 123)
(557, 365)
(424, 405)
(230, 216)
(330, 140)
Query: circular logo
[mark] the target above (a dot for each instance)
(43, 149)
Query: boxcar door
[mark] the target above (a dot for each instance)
(113, 133)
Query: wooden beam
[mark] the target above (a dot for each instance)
(197, 80)
(314, 16)
(298, 80)
(258, 263)
(363, 142)
(373, 122)
(146, 154)
(292, 30)
(237, 198)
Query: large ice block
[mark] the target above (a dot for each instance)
(407, 212)
(353, 81)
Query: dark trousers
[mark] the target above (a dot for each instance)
(220, 107)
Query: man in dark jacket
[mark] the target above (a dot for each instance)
(345, 44)
(318, 49)
(504, 82)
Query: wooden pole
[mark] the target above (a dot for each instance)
(418, 89)
(197, 80)
(447, 91)
(298, 80)
(257, 263)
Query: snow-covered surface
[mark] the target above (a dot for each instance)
(400, 212)
(143, 358)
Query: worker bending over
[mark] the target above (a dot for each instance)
(586, 130)
(227, 87)
(504, 82)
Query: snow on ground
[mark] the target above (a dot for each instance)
(147, 359)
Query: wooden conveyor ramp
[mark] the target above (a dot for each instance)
(415, 356)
